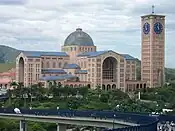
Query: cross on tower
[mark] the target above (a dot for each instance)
(153, 9)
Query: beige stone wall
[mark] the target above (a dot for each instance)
(122, 73)
(95, 71)
(73, 51)
(34, 70)
(82, 62)
(130, 69)
(94, 66)
(45, 84)
(18, 73)
(153, 52)
(82, 77)
(133, 85)
(54, 62)
(33, 66)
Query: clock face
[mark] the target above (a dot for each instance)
(146, 28)
(158, 27)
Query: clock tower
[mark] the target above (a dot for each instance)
(153, 49)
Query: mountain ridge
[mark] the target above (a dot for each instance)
(8, 54)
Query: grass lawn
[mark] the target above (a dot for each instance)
(6, 66)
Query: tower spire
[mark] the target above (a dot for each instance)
(153, 9)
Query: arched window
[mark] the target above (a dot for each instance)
(60, 64)
(65, 63)
(48, 64)
(54, 65)
(42, 64)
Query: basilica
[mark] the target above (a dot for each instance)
(78, 64)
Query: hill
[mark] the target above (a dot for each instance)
(6, 66)
(170, 75)
(8, 54)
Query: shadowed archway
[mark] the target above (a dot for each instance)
(114, 86)
(103, 87)
(109, 70)
(21, 70)
(108, 87)
(89, 86)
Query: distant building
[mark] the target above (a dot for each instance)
(6, 78)
(78, 64)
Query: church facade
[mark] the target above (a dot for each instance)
(79, 64)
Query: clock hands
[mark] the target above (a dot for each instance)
(146, 27)
(158, 26)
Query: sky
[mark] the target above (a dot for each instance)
(112, 24)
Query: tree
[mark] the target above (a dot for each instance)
(37, 127)
(77, 79)
(13, 84)
(55, 83)
(49, 83)
(9, 93)
(2, 57)
(104, 97)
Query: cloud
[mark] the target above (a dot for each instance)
(12, 2)
(112, 24)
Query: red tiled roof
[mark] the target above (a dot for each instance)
(5, 81)
(7, 74)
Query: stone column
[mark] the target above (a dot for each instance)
(23, 126)
(61, 127)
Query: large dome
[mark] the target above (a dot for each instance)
(79, 38)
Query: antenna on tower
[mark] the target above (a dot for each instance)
(153, 9)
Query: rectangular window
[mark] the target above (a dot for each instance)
(121, 70)
(121, 75)
(37, 60)
(30, 60)
(121, 65)
(121, 84)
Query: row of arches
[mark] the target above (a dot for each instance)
(73, 85)
(3, 86)
(109, 87)
(53, 64)
(76, 85)
(134, 87)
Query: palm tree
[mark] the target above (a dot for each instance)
(54, 83)
(9, 93)
(12, 84)
(21, 85)
(59, 84)
(17, 91)
(39, 84)
(49, 83)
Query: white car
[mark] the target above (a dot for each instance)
(17, 111)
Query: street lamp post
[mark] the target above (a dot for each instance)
(30, 96)
(114, 120)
